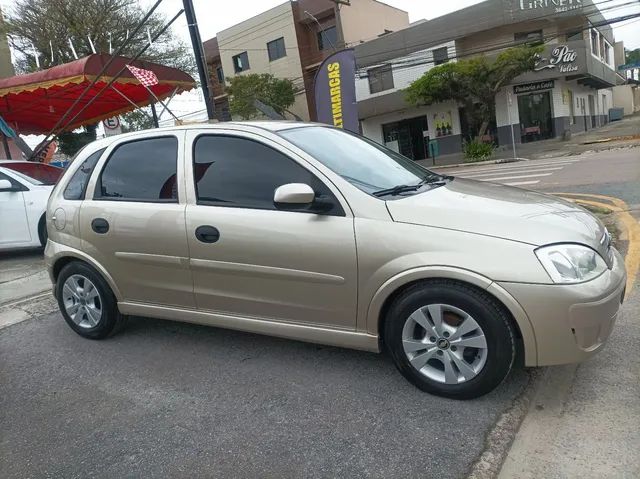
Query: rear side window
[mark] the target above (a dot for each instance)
(142, 170)
(242, 173)
(78, 183)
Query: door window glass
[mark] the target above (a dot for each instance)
(78, 183)
(241, 173)
(142, 170)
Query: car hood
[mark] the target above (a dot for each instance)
(501, 211)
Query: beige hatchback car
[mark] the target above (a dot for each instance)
(311, 233)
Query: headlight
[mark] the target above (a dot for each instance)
(571, 263)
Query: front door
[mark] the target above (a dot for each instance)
(536, 121)
(253, 260)
(592, 110)
(133, 221)
(14, 226)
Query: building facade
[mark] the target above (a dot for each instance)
(569, 91)
(292, 39)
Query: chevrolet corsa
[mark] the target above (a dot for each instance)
(307, 232)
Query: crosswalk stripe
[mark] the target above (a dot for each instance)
(521, 183)
(513, 166)
(502, 178)
(536, 170)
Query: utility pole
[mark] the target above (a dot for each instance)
(196, 43)
(339, 31)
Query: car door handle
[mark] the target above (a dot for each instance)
(207, 234)
(100, 225)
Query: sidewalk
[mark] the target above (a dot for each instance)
(613, 135)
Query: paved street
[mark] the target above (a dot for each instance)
(165, 399)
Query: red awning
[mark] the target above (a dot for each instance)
(33, 103)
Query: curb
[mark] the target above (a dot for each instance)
(500, 438)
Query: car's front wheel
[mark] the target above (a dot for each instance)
(86, 301)
(450, 339)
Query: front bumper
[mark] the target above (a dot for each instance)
(572, 322)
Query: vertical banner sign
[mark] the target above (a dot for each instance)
(335, 91)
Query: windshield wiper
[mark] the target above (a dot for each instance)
(396, 190)
(399, 189)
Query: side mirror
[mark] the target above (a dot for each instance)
(5, 185)
(294, 196)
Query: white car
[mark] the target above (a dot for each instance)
(24, 190)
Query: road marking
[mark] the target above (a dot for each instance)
(521, 183)
(509, 166)
(537, 170)
(500, 178)
(632, 261)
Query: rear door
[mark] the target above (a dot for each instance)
(133, 219)
(14, 226)
(264, 262)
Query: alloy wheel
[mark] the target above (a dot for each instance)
(444, 343)
(82, 301)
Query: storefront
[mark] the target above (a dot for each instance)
(535, 110)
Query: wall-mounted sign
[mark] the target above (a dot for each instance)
(561, 58)
(533, 86)
(557, 6)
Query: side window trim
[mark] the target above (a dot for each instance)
(102, 164)
(256, 139)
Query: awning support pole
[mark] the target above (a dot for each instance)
(154, 113)
(168, 101)
(130, 101)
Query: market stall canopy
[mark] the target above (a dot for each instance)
(33, 103)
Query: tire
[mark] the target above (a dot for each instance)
(86, 302)
(465, 354)
(42, 231)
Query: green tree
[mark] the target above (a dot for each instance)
(137, 120)
(32, 24)
(473, 83)
(244, 89)
(632, 56)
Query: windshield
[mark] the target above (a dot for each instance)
(36, 173)
(365, 164)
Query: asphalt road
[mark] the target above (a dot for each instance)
(165, 399)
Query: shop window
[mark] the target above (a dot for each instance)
(240, 62)
(380, 78)
(440, 56)
(327, 38)
(276, 49)
(532, 37)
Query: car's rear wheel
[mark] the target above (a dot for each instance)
(450, 339)
(86, 302)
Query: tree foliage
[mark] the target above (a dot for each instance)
(137, 120)
(278, 93)
(473, 83)
(32, 24)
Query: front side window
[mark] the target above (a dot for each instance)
(141, 170)
(241, 173)
(78, 183)
(327, 38)
(240, 62)
(276, 49)
(365, 164)
(380, 78)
